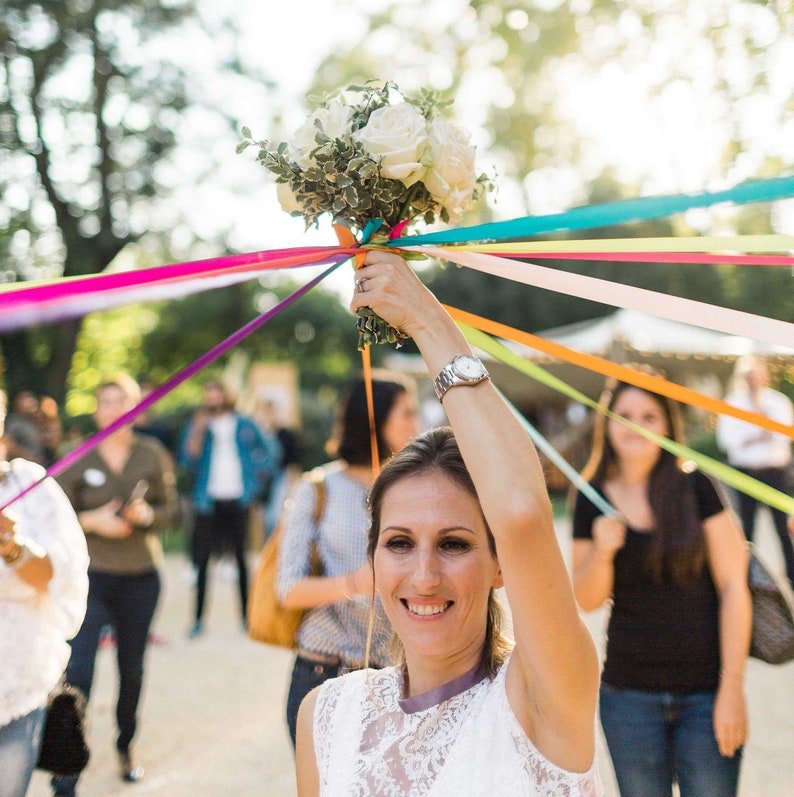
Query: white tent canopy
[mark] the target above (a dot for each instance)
(689, 355)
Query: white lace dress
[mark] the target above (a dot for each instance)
(461, 739)
(34, 626)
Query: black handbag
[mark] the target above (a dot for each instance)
(63, 748)
(772, 638)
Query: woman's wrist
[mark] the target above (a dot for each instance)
(348, 586)
(22, 550)
(605, 557)
(731, 676)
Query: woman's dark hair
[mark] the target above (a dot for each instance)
(436, 450)
(679, 547)
(350, 440)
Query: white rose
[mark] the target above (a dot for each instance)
(396, 135)
(286, 196)
(334, 121)
(451, 178)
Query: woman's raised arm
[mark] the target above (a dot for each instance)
(552, 679)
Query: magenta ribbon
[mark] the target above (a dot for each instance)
(70, 297)
(181, 376)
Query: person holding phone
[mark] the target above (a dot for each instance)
(124, 494)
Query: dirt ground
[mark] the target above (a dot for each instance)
(212, 714)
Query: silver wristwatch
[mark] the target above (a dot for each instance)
(462, 370)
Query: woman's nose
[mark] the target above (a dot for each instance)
(427, 573)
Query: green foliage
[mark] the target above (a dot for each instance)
(87, 112)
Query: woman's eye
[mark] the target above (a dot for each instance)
(454, 545)
(398, 544)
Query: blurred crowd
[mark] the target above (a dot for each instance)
(217, 482)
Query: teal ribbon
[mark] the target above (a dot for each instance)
(608, 214)
(554, 456)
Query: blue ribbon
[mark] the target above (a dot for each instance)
(608, 214)
(554, 456)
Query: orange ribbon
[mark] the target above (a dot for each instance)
(655, 384)
(348, 240)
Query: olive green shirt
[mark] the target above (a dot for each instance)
(91, 483)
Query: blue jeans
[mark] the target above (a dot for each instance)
(658, 738)
(306, 674)
(19, 751)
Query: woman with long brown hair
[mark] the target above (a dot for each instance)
(674, 566)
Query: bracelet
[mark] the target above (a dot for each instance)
(15, 554)
(346, 587)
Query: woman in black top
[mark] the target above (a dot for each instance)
(674, 564)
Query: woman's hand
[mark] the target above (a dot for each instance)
(359, 582)
(730, 715)
(389, 287)
(609, 536)
(139, 513)
(105, 521)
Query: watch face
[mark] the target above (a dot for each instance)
(469, 367)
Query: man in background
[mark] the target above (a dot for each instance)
(229, 457)
(759, 453)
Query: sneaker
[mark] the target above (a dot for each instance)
(197, 629)
(129, 772)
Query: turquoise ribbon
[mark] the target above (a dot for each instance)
(609, 213)
(554, 456)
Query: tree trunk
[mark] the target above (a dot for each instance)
(19, 370)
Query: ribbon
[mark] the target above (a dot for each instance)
(718, 470)
(687, 311)
(347, 239)
(23, 304)
(560, 462)
(684, 243)
(73, 456)
(680, 257)
(655, 384)
(610, 213)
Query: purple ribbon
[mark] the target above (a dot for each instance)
(181, 376)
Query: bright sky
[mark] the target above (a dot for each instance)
(652, 127)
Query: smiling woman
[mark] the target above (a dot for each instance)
(458, 513)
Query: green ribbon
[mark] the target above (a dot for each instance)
(719, 470)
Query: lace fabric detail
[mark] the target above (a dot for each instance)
(34, 626)
(469, 744)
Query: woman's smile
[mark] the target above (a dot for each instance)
(426, 609)
(434, 567)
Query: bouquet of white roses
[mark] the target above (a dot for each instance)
(371, 153)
